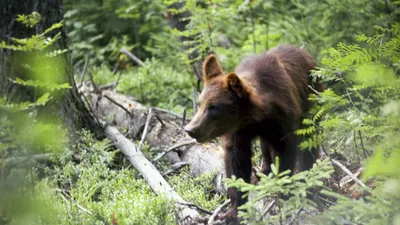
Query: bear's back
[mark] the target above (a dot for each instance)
(282, 72)
(297, 64)
(276, 64)
(264, 72)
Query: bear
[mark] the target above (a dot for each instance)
(266, 97)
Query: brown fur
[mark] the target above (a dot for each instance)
(266, 96)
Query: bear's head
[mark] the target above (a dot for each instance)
(223, 103)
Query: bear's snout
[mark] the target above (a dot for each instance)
(193, 132)
(190, 132)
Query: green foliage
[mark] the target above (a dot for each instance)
(366, 71)
(365, 117)
(107, 193)
(40, 70)
(204, 25)
(380, 206)
(384, 163)
(29, 20)
(30, 202)
(99, 30)
(42, 84)
(26, 130)
(212, 27)
(92, 191)
(96, 190)
(199, 190)
(155, 84)
(279, 184)
(37, 42)
(323, 24)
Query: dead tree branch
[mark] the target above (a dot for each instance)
(216, 211)
(172, 113)
(351, 175)
(132, 56)
(362, 145)
(95, 86)
(119, 105)
(146, 127)
(112, 85)
(84, 70)
(17, 160)
(175, 167)
(191, 205)
(159, 156)
(69, 203)
(194, 100)
(268, 208)
(157, 183)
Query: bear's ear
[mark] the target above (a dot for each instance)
(233, 83)
(211, 67)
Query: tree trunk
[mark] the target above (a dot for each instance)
(68, 105)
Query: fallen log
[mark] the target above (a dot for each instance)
(164, 131)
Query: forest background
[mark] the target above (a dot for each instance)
(52, 175)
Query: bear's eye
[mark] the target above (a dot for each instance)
(214, 110)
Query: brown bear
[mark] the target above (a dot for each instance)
(265, 97)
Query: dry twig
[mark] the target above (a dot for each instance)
(355, 145)
(194, 101)
(172, 113)
(17, 160)
(173, 148)
(268, 208)
(112, 85)
(191, 205)
(184, 117)
(175, 167)
(84, 70)
(292, 219)
(119, 105)
(351, 175)
(96, 88)
(345, 181)
(79, 206)
(132, 56)
(146, 127)
(216, 211)
(334, 167)
(362, 144)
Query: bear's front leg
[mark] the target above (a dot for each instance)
(238, 163)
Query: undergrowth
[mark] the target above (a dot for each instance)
(90, 187)
(154, 84)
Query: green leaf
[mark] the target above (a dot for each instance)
(43, 99)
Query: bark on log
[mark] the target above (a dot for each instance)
(164, 131)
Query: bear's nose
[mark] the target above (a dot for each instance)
(190, 132)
